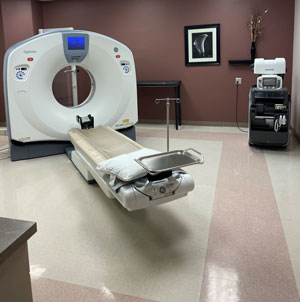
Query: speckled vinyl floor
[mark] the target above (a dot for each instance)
(234, 238)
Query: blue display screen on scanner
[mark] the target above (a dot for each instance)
(76, 43)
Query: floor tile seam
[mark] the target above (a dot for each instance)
(216, 136)
(219, 194)
(283, 234)
(276, 202)
(45, 248)
(88, 288)
(203, 249)
(293, 263)
(244, 254)
(190, 130)
(291, 220)
(251, 281)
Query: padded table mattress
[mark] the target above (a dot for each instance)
(101, 143)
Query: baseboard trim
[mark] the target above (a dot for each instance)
(3, 131)
(195, 123)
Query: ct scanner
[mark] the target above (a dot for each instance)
(35, 118)
(38, 125)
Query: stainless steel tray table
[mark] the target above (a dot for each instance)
(172, 160)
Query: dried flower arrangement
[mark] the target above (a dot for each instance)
(255, 26)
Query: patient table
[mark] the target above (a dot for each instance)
(158, 178)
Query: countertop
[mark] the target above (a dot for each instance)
(13, 234)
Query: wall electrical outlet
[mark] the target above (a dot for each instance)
(238, 81)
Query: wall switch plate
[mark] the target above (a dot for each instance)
(238, 81)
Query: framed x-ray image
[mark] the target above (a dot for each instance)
(202, 44)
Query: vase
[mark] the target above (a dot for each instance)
(253, 50)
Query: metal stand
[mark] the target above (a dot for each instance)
(167, 100)
(74, 71)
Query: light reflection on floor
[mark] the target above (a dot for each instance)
(161, 253)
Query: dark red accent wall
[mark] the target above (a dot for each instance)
(2, 51)
(20, 19)
(154, 31)
(37, 16)
(17, 21)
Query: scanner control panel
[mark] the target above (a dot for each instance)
(125, 65)
(21, 72)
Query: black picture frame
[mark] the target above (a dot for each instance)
(202, 44)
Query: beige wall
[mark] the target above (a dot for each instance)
(296, 72)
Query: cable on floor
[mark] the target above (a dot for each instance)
(236, 109)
